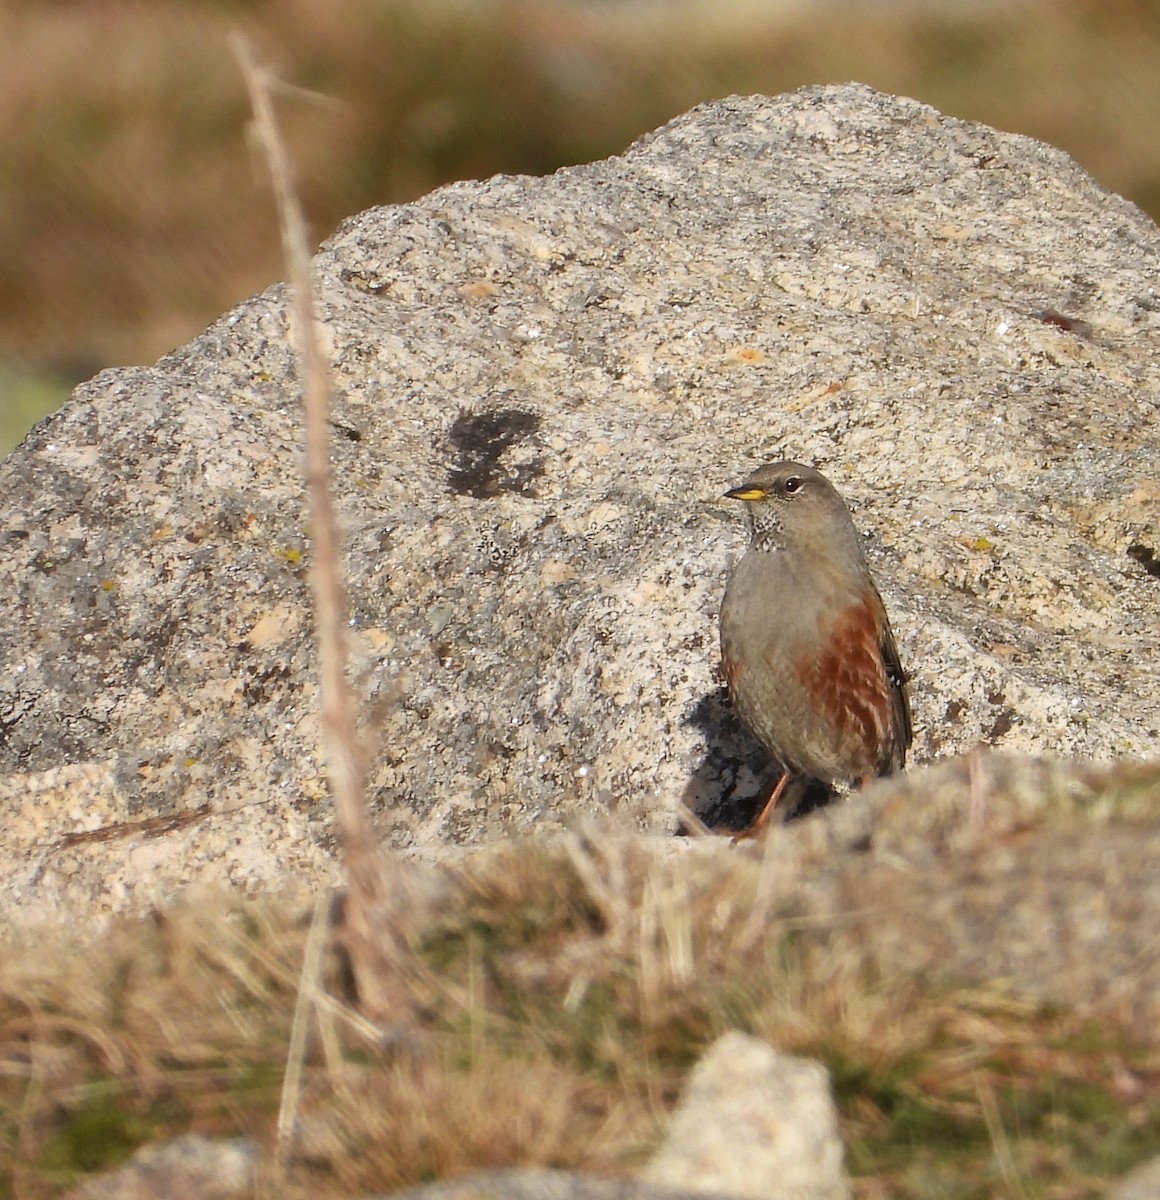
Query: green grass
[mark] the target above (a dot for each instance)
(25, 397)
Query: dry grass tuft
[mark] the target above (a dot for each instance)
(563, 993)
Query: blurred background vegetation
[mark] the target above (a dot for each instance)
(132, 213)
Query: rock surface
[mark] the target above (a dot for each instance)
(543, 386)
(1142, 1184)
(546, 1185)
(754, 1122)
(187, 1166)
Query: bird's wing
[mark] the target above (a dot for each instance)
(903, 726)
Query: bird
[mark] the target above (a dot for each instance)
(808, 655)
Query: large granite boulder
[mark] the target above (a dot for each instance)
(542, 388)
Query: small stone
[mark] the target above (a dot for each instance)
(754, 1122)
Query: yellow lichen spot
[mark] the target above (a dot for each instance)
(290, 555)
(478, 289)
(745, 355)
(380, 640)
(314, 788)
(272, 627)
(189, 762)
(982, 544)
(108, 585)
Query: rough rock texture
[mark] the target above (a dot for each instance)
(1142, 1184)
(544, 1185)
(187, 1166)
(754, 1122)
(543, 387)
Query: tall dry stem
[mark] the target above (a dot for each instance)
(367, 936)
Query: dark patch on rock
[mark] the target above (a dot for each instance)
(1005, 720)
(494, 452)
(262, 686)
(1147, 558)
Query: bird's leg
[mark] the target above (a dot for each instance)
(762, 819)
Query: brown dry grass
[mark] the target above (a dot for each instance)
(560, 994)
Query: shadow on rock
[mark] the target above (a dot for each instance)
(728, 788)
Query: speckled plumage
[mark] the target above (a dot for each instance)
(809, 655)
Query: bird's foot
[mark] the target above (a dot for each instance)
(761, 822)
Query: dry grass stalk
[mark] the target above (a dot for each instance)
(296, 1052)
(366, 939)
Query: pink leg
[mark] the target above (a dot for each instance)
(762, 820)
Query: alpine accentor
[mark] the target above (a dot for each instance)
(808, 652)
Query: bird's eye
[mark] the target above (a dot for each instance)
(792, 484)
